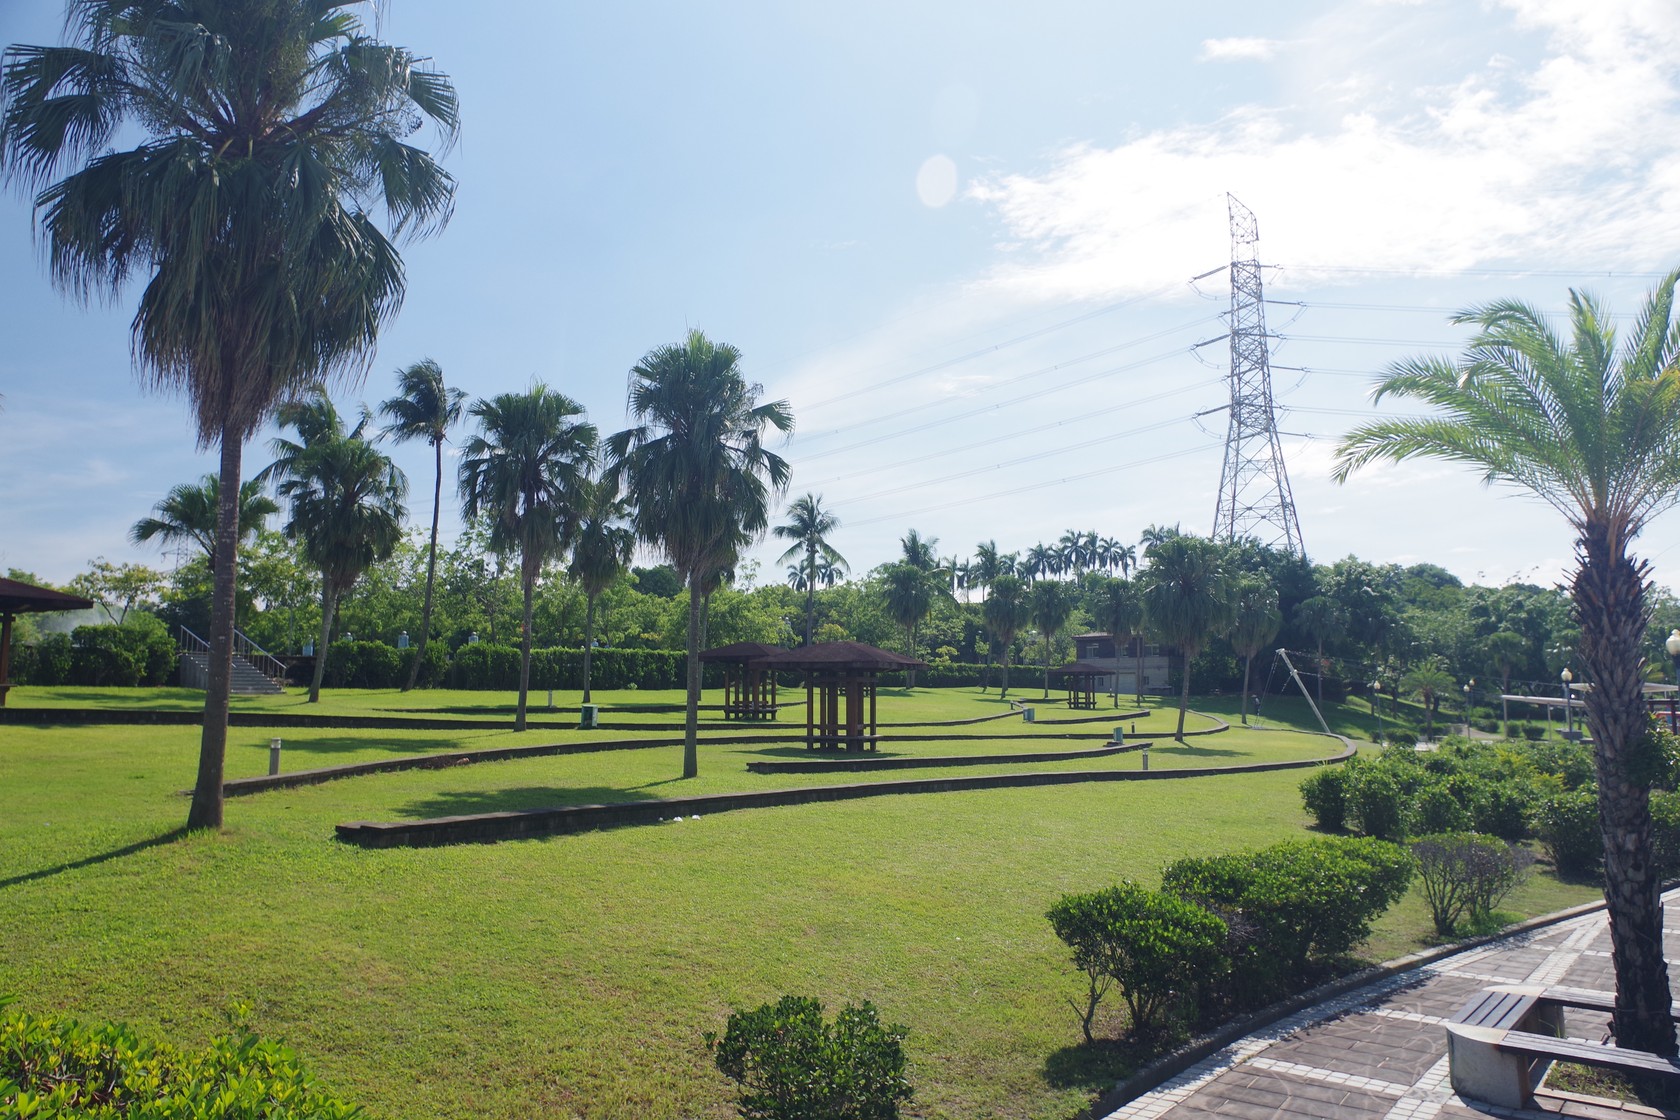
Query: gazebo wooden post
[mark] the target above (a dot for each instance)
(5, 657)
(872, 705)
(771, 673)
(810, 711)
(854, 715)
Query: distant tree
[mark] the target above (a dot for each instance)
(424, 408)
(1120, 608)
(1506, 653)
(908, 597)
(602, 549)
(1428, 682)
(526, 470)
(1322, 619)
(986, 567)
(1186, 600)
(1040, 561)
(1255, 626)
(1006, 613)
(918, 551)
(808, 527)
(1051, 604)
(118, 588)
(188, 514)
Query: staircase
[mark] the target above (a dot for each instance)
(255, 671)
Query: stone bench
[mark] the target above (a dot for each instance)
(1500, 1045)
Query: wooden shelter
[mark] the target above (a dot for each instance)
(836, 670)
(1081, 683)
(749, 687)
(25, 598)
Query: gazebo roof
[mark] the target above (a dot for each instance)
(1081, 669)
(843, 655)
(742, 652)
(26, 598)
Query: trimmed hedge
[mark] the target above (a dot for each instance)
(378, 665)
(140, 652)
(485, 666)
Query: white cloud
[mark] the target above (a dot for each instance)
(1231, 50)
(1570, 159)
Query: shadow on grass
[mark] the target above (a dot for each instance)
(345, 745)
(469, 802)
(172, 697)
(1192, 749)
(135, 848)
(799, 751)
(1094, 1066)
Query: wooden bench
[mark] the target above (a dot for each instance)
(1501, 1044)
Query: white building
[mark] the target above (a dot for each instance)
(1097, 651)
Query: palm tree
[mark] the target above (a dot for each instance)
(1118, 607)
(424, 408)
(255, 287)
(601, 553)
(1506, 652)
(346, 503)
(527, 470)
(1052, 606)
(697, 473)
(188, 513)
(1070, 551)
(986, 567)
(1006, 613)
(1592, 428)
(1323, 620)
(1256, 623)
(1186, 600)
(1039, 562)
(1125, 558)
(808, 528)
(918, 551)
(908, 593)
(1428, 681)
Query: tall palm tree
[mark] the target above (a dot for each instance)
(1591, 426)
(346, 501)
(1006, 613)
(1052, 605)
(1323, 620)
(526, 470)
(1256, 620)
(1118, 607)
(1039, 562)
(601, 553)
(1186, 600)
(269, 131)
(908, 592)
(918, 551)
(987, 566)
(188, 514)
(1125, 558)
(1070, 550)
(424, 408)
(808, 527)
(697, 473)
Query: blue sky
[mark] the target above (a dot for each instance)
(988, 212)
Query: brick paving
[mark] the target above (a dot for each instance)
(1380, 1052)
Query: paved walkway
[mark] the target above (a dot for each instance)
(1380, 1052)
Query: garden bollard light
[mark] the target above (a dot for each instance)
(273, 757)
(1146, 756)
(551, 699)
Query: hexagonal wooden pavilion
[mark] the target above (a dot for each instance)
(1081, 680)
(749, 687)
(841, 669)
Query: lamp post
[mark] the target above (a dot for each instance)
(1468, 686)
(1568, 695)
(1376, 706)
(1673, 647)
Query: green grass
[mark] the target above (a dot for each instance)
(573, 976)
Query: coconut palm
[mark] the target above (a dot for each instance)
(1186, 600)
(987, 566)
(1256, 620)
(697, 473)
(1591, 425)
(808, 527)
(526, 470)
(918, 551)
(1051, 605)
(1117, 606)
(346, 502)
(268, 132)
(424, 408)
(1006, 613)
(602, 550)
(1323, 620)
(188, 514)
(908, 593)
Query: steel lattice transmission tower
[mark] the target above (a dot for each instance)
(1254, 497)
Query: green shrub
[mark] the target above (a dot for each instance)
(1324, 792)
(1571, 763)
(139, 652)
(1437, 808)
(1567, 824)
(1501, 809)
(352, 664)
(52, 661)
(55, 1067)
(1376, 803)
(1307, 898)
(1154, 946)
(485, 666)
(1665, 834)
(791, 1064)
(1402, 737)
(1466, 874)
(1532, 733)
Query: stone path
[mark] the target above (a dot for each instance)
(1380, 1052)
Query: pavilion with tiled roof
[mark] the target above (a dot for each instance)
(836, 670)
(1081, 681)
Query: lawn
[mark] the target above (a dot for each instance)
(573, 976)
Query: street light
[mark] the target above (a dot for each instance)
(1376, 706)
(1468, 685)
(1673, 647)
(1568, 695)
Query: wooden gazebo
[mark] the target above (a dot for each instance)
(1081, 682)
(25, 598)
(836, 670)
(749, 687)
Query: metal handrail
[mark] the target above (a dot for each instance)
(267, 664)
(190, 642)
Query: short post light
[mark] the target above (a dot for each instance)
(1568, 702)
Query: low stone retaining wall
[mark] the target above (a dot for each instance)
(831, 765)
(530, 823)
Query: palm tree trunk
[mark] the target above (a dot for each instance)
(1137, 671)
(529, 580)
(691, 709)
(810, 588)
(1004, 691)
(1183, 695)
(1612, 609)
(431, 575)
(1248, 664)
(206, 810)
(588, 643)
(986, 673)
(1047, 665)
(329, 607)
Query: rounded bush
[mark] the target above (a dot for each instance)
(1567, 824)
